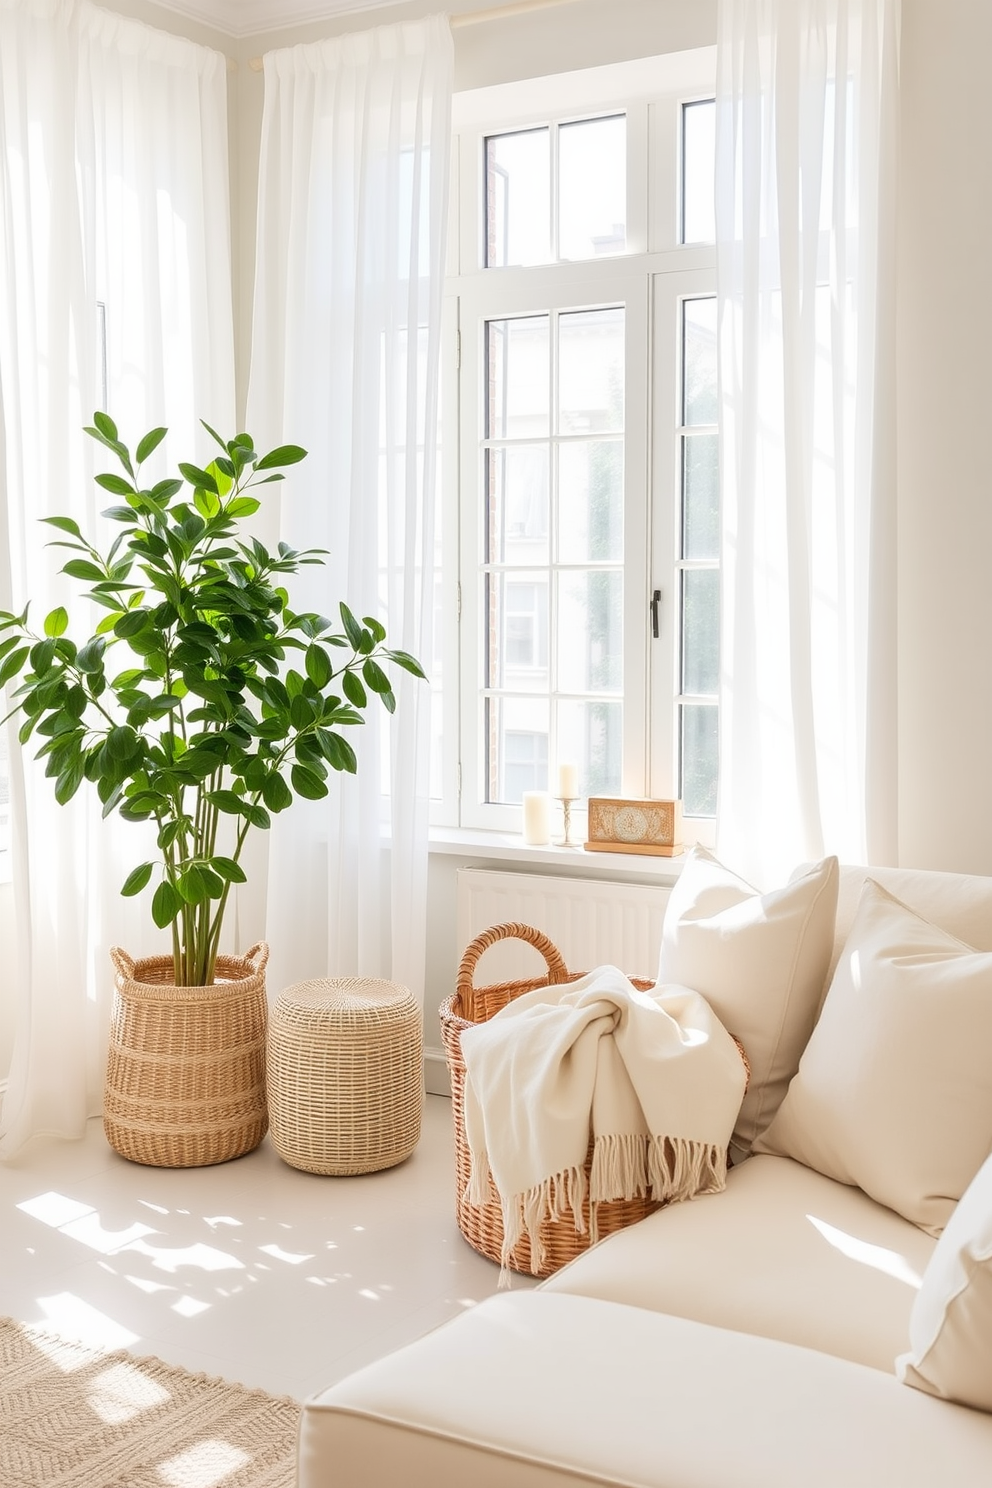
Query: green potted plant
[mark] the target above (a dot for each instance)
(201, 702)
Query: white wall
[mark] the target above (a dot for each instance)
(945, 404)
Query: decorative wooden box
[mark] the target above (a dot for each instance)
(631, 825)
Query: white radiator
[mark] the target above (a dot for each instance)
(592, 922)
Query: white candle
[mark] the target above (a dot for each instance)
(537, 818)
(568, 782)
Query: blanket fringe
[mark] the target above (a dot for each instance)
(524, 1214)
(624, 1166)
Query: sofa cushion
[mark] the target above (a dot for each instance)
(950, 1327)
(759, 960)
(783, 1252)
(540, 1391)
(894, 1090)
(960, 903)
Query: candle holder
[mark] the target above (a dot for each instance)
(566, 811)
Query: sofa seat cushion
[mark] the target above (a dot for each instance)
(537, 1390)
(783, 1252)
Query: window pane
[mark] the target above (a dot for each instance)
(590, 501)
(517, 730)
(592, 188)
(700, 496)
(590, 631)
(518, 504)
(698, 163)
(699, 400)
(700, 630)
(518, 377)
(591, 733)
(590, 371)
(700, 759)
(518, 198)
(518, 631)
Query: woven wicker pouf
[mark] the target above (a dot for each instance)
(345, 1075)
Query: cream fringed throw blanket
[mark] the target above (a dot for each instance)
(653, 1075)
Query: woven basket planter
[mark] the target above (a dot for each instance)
(482, 1225)
(185, 1083)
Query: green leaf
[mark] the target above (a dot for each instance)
(242, 506)
(226, 801)
(122, 743)
(286, 454)
(257, 816)
(318, 665)
(105, 425)
(12, 665)
(56, 622)
(64, 524)
(135, 882)
(307, 783)
(115, 484)
(164, 490)
(151, 441)
(376, 627)
(338, 752)
(352, 628)
(375, 676)
(166, 904)
(42, 656)
(276, 793)
(229, 870)
(207, 503)
(69, 780)
(197, 477)
(353, 690)
(198, 883)
(90, 658)
(407, 662)
(81, 568)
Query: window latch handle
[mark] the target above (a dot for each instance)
(655, 611)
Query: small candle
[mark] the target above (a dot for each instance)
(568, 782)
(537, 818)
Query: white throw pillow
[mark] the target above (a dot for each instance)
(894, 1091)
(760, 961)
(950, 1327)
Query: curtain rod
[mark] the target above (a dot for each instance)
(476, 17)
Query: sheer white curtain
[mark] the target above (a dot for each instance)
(345, 351)
(114, 277)
(806, 151)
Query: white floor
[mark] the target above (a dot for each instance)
(249, 1270)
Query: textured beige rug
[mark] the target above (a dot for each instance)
(74, 1417)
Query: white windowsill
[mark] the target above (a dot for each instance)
(508, 847)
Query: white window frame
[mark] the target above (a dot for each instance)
(650, 280)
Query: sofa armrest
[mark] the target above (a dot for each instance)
(540, 1390)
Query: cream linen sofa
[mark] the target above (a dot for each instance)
(745, 1338)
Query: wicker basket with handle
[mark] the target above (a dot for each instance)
(482, 1225)
(185, 1082)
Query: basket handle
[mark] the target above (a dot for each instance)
(123, 963)
(258, 956)
(511, 930)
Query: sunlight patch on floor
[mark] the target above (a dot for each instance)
(203, 1466)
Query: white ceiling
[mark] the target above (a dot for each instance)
(248, 17)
